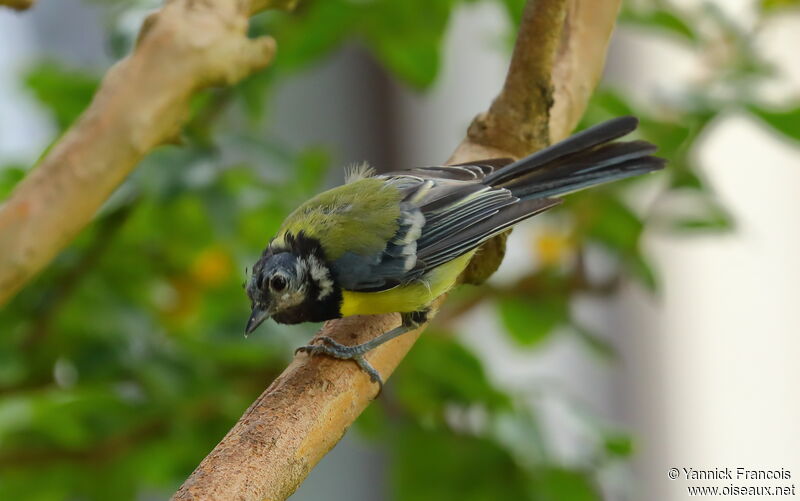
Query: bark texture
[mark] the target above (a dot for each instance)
(557, 61)
(142, 103)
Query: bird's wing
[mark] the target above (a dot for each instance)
(445, 212)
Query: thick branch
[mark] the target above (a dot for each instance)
(551, 77)
(557, 61)
(141, 104)
(580, 62)
(517, 121)
(18, 4)
(307, 409)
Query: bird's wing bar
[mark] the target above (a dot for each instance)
(462, 172)
(445, 221)
(434, 208)
(441, 250)
(442, 218)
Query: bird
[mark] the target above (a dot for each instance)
(394, 242)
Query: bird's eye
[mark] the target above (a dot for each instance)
(277, 283)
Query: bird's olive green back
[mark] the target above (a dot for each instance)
(359, 217)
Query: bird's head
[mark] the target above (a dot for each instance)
(279, 284)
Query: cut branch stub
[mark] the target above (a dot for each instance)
(518, 119)
(141, 104)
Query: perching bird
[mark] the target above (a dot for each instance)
(395, 242)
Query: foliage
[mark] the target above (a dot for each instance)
(123, 364)
(63, 91)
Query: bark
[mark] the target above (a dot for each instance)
(556, 63)
(142, 103)
(550, 80)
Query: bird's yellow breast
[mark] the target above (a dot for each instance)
(406, 298)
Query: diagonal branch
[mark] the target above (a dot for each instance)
(551, 76)
(142, 103)
(556, 63)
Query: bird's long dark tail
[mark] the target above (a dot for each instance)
(585, 159)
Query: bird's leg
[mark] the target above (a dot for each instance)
(356, 352)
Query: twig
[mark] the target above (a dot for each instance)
(18, 4)
(307, 409)
(143, 101)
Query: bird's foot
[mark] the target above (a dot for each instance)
(355, 353)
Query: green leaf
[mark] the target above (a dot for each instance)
(311, 166)
(610, 221)
(683, 175)
(436, 465)
(718, 221)
(671, 137)
(641, 269)
(408, 43)
(414, 60)
(561, 484)
(672, 23)
(773, 5)
(618, 444)
(661, 19)
(373, 422)
(706, 217)
(596, 344)
(529, 322)
(606, 103)
(311, 32)
(786, 122)
(514, 9)
(65, 92)
(10, 175)
(520, 433)
(439, 371)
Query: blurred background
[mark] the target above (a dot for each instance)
(645, 325)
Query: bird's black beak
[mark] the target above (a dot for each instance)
(257, 317)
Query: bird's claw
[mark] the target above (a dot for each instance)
(335, 349)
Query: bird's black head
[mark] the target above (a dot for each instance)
(292, 287)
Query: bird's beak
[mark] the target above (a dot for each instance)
(257, 317)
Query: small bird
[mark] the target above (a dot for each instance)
(395, 242)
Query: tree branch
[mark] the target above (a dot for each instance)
(551, 77)
(307, 409)
(18, 4)
(143, 101)
(579, 65)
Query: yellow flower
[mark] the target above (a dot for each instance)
(552, 247)
(211, 267)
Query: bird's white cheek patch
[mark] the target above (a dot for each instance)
(321, 275)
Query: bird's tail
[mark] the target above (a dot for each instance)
(580, 161)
